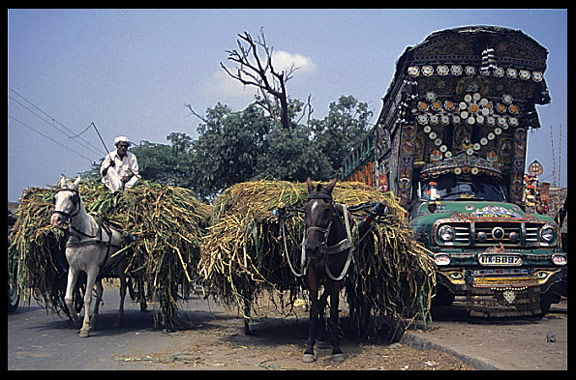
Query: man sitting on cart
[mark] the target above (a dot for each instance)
(120, 168)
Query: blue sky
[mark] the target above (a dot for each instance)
(131, 72)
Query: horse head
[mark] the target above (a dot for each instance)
(66, 202)
(318, 213)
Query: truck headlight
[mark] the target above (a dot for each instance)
(547, 234)
(559, 259)
(446, 233)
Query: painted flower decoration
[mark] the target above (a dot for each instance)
(474, 109)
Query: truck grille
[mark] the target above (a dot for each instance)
(467, 233)
(462, 233)
(508, 228)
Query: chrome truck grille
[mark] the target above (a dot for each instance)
(486, 234)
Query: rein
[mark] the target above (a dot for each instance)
(344, 244)
(96, 239)
(76, 201)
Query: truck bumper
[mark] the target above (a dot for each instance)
(505, 292)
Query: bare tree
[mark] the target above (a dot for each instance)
(254, 70)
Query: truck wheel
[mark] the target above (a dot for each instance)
(443, 296)
(547, 299)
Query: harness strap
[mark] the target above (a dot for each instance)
(303, 266)
(344, 244)
(350, 250)
(339, 247)
(103, 271)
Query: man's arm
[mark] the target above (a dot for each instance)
(107, 163)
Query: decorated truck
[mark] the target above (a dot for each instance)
(450, 142)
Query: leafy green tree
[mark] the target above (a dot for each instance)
(155, 160)
(228, 147)
(239, 146)
(182, 154)
(292, 156)
(347, 122)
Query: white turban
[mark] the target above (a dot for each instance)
(120, 139)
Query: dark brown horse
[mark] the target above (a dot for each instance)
(327, 248)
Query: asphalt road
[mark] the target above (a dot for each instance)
(39, 340)
(511, 344)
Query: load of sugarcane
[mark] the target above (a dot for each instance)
(244, 255)
(166, 223)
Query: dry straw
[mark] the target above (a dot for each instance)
(392, 277)
(165, 221)
(238, 254)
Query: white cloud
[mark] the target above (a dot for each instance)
(221, 87)
(283, 60)
(227, 86)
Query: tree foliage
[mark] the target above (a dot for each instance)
(239, 146)
(265, 139)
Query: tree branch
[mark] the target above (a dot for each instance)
(189, 106)
(260, 72)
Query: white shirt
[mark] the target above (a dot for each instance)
(124, 166)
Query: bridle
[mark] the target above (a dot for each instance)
(323, 230)
(345, 244)
(75, 201)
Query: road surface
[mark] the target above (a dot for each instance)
(39, 340)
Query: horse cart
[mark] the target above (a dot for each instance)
(269, 238)
(13, 294)
(148, 235)
(288, 241)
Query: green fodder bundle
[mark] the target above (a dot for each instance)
(394, 279)
(243, 253)
(165, 221)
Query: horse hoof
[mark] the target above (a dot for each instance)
(308, 358)
(84, 333)
(338, 358)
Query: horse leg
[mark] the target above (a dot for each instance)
(247, 307)
(69, 297)
(142, 294)
(321, 340)
(99, 294)
(123, 285)
(308, 356)
(91, 279)
(337, 355)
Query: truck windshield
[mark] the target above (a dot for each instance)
(453, 187)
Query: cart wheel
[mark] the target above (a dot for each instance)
(13, 296)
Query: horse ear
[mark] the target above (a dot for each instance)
(62, 182)
(330, 187)
(310, 185)
(77, 182)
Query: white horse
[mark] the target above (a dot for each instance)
(90, 248)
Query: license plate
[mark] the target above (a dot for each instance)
(500, 260)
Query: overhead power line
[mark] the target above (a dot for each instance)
(52, 122)
(49, 138)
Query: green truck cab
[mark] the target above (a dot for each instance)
(505, 261)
